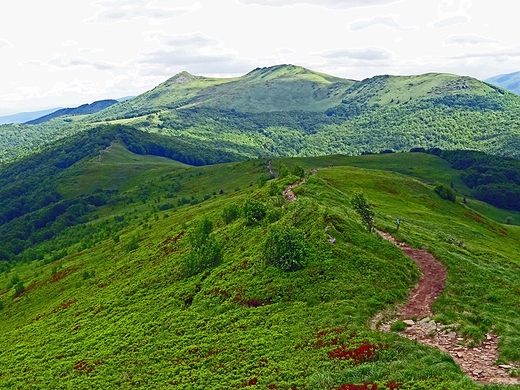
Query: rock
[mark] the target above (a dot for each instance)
(409, 322)
(477, 372)
(505, 366)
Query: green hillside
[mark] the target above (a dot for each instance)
(165, 283)
(288, 110)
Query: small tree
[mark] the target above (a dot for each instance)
(205, 252)
(285, 248)
(230, 213)
(298, 171)
(283, 171)
(364, 209)
(19, 288)
(254, 211)
(445, 192)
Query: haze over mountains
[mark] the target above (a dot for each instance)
(510, 81)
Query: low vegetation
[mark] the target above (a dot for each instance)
(204, 277)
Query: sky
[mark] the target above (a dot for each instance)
(59, 53)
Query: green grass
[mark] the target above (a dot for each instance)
(110, 314)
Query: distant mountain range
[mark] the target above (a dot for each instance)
(81, 110)
(509, 81)
(23, 117)
(35, 117)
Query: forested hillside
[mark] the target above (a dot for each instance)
(292, 111)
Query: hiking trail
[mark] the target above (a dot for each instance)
(478, 362)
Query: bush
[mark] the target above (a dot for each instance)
(19, 288)
(206, 250)
(254, 211)
(133, 244)
(285, 248)
(445, 192)
(283, 171)
(230, 213)
(298, 171)
(364, 209)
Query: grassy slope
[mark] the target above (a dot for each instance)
(287, 110)
(114, 168)
(109, 316)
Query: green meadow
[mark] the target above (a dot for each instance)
(168, 284)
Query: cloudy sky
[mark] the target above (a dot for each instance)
(65, 53)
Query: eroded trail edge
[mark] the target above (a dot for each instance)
(479, 361)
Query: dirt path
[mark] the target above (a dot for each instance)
(477, 362)
(101, 152)
(288, 194)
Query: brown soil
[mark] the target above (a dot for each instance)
(289, 194)
(479, 361)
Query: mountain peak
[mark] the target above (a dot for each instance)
(182, 78)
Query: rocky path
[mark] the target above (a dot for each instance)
(479, 361)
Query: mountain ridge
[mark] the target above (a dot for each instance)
(509, 81)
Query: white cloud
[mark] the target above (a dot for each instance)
(286, 51)
(196, 53)
(61, 62)
(370, 54)
(85, 87)
(69, 43)
(4, 43)
(452, 12)
(451, 21)
(334, 4)
(467, 40)
(497, 55)
(125, 10)
(380, 20)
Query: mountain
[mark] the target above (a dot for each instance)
(135, 270)
(23, 117)
(84, 109)
(510, 81)
(288, 110)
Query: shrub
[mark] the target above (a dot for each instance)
(285, 248)
(206, 250)
(254, 211)
(230, 213)
(298, 171)
(364, 209)
(19, 288)
(445, 192)
(283, 171)
(133, 244)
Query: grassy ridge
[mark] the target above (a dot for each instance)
(116, 310)
(287, 110)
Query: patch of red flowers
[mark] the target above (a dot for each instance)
(366, 352)
(64, 306)
(250, 382)
(84, 366)
(60, 275)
